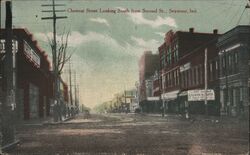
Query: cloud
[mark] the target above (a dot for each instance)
(160, 33)
(146, 45)
(139, 19)
(100, 20)
(76, 38)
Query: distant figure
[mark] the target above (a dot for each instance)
(86, 114)
(186, 109)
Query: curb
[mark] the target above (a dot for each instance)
(10, 146)
(60, 122)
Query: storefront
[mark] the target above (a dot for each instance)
(170, 102)
(32, 76)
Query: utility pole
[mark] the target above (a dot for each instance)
(0, 14)
(205, 70)
(160, 89)
(76, 99)
(70, 85)
(54, 48)
(9, 103)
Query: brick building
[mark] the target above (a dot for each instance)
(234, 71)
(148, 65)
(34, 80)
(182, 66)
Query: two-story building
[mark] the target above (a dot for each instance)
(234, 67)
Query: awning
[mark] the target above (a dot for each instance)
(183, 93)
(170, 95)
(154, 98)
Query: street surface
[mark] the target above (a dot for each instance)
(129, 134)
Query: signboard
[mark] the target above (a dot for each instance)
(185, 67)
(155, 98)
(199, 95)
(31, 54)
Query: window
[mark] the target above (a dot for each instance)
(236, 60)
(224, 62)
(169, 58)
(211, 71)
(182, 79)
(236, 57)
(192, 76)
(167, 80)
(170, 79)
(189, 78)
(229, 60)
(201, 74)
(197, 75)
(186, 80)
(177, 77)
(216, 69)
(175, 55)
(2, 46)
(174, 78)
(163, 59)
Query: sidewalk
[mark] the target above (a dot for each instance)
(202, 118)
(44, 121)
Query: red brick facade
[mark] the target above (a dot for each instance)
(34, 78)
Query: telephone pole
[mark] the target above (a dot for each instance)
(76, 98)
(205, 70)
(70, 85)
(9, 103)
(54, 46)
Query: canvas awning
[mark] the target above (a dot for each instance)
(153, 98)
(170, 95)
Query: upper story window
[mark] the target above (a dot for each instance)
(2, 46)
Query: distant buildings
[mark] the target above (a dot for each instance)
(148, 65)
(180, 78)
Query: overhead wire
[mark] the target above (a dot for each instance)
(241, 16)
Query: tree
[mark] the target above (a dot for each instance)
(60, 56)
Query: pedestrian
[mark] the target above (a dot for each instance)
(186, 109)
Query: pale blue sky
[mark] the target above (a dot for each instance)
(108, 45)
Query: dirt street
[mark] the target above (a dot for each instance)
(135, 134)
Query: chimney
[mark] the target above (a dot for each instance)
(191, 30)
(215, 31)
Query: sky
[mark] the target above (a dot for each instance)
(107, 44)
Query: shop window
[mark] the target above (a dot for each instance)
(33, 100)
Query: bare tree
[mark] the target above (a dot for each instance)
(60, 56)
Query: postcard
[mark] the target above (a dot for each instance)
(124, 77)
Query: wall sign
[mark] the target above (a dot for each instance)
(32, 55)
(199, 95)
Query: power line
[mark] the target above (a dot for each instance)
(241, 16)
